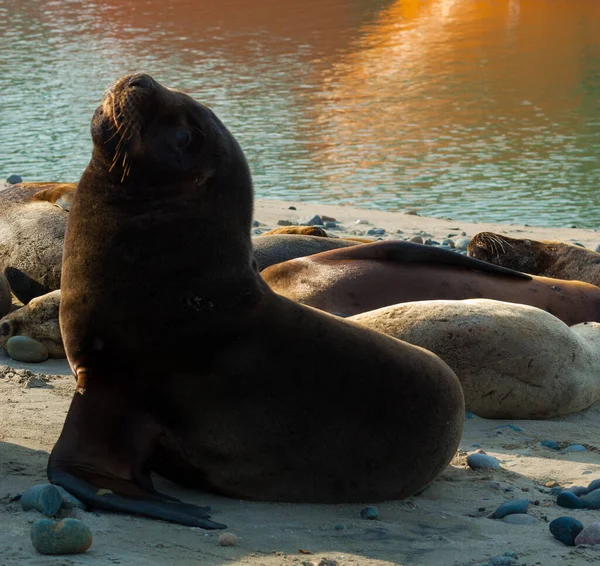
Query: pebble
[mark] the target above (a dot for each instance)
(520, 519)
(376, 232)
(556, 490)
(462, 243)
(574, 448)
(339, 527)
(589, 535)
(312, 221)
(448, 242)
(511, 507)
(551, 483)
(597, 250)
(331, 224)
(14, 179)
(291, 208)
(594, 485)
(70, 501)
(565, 529)
(550, 444)
(503, 561)
(369, 513)
(592, 499)
(569, 500)
(578, 490)
(482, 462)
(45, 498)
(362, 221)
(227, 539)
(416, 239)
(285, 223)
(69, 536)
(25, 349)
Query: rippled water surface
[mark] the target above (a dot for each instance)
(472, 109)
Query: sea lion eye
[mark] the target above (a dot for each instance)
(182, 138)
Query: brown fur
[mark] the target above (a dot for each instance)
(354, 280)
(545, 257)
(189, 365)
(302, 230)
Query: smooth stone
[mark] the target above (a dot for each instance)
(312, 221)
(550, 444)
(511, 507)
(482, 462)
(25, 349)
(417, 239)
(589, 535)
(331, 224)
(503, 561)
(362, 221)
(70, 501)
(565, 529)
(339, 527)
(45, 498)
(597, 250)
(284, 223)
(578, 490)
(448, 242)
(574, 448)
(556, 490)
(461, 243)
(569, 500)
(594, 485)
(14, 179)
(376, 232)
(520, 519)
(69, 536)
(369, 513)
(592, 499)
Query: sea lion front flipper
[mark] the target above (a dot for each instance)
(411, 252)
(155, 507)
(24, 287)
(58, 194)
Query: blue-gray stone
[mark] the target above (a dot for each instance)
(594, 485)
(70, 501)
(330, 224)
(468, 415)
(575, 448)
(285, 223)
(14, 179)
(513, 427)
(556, 490)
(369, 513)
(339, 527)
(69, 536)
(462, 243)
(25, 349)
(592, 499)
(375, 232)
(550, 444)
(569, 500)
(44, 498)
(565, 529)
(312, 221)
(478, 461)
(597, 250)
(578, 490)
(503, 561)
(520, 519)
(511, 507)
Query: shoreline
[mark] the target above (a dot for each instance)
(405, 225)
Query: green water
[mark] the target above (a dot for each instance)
(482, 110)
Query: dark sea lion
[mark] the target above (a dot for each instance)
(5, 298)
(281, 247)
(189, 365)
(546, 257)
(38, 320)
(353, 280)
(32, 226)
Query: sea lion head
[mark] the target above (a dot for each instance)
(523, 255)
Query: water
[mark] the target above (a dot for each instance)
(482, 110)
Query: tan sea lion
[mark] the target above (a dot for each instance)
(513, 361)
(38, 320)
(545, 257)
(362, 278)
(5, 298)
(300, 230)
(33, 217)
(187, 364)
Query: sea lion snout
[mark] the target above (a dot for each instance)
(6, 329)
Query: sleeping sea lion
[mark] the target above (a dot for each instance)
(546, 257)
(187, 364)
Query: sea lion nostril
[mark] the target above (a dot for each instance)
(5, 329)
(141, 81)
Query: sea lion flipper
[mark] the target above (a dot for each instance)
(155, 507)
(23, 286)
(411, 252)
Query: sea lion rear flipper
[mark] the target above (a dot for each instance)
(24, 287)
(410, 252)
(161, 507)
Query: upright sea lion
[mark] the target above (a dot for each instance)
(189, 365)
(513, 361)
(363, 278)
(38, 320)
(546, 257)
(33, 217)
(5, 298)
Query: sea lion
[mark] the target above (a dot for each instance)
(189, 365)
(546, 257)
(38, 320)
(513, 361)
(299, 230)
(362, 278)
(5, 298)
(282, 247)
(33, 217)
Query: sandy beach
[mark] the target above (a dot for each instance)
(446, 525)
